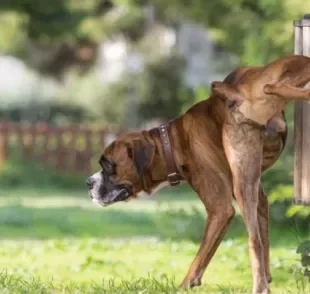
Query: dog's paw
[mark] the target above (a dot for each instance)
(265, 291)
(187, 284)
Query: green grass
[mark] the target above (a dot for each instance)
(59, 242)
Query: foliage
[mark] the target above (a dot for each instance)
(54, 113)
(255, 31)
(113, 104)
(176, 222)
(158, 92)
(104, 102)
(13, 34)
(21, 173)
(59, 34)
(304, 250)
(71, 30)
(163, 93)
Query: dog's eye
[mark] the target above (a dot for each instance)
(107, 165)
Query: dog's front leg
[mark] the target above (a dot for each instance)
(243, 146)
(215, 191)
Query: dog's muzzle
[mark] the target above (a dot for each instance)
(124, 192)
(106, 193)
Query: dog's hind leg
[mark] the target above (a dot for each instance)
(216, 194)
(263, 221)
(243, 146)
(287, 91)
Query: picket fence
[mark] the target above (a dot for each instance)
(68, 149)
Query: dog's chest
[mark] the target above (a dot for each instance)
(143, 194)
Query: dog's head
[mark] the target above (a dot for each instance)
(123, 165)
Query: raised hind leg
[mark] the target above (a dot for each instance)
(287, 91)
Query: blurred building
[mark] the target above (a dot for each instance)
(204, 62)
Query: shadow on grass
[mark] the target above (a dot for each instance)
(20, 222)
(27, 222)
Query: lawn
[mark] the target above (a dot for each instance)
(55, 241)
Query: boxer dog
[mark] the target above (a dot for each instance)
(219, 152)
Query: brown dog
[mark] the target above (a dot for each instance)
(209, 148)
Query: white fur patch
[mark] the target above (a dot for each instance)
(143, 194)
(96, 176)
(96, 201)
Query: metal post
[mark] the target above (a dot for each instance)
(134, 66)
(302, 122)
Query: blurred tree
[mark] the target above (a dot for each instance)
(55, 35)
(255, 31)
(68, 31)
(159, 92)
(163, 92)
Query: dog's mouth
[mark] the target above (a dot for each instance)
(119, 194)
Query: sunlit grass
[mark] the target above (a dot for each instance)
(59, 242)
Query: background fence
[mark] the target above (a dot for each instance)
(74, 149)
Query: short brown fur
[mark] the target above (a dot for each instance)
(262, 92)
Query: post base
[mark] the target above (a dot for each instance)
(300, 201)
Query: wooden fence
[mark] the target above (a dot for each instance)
(70, 149)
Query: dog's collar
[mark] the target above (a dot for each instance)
(173, 176)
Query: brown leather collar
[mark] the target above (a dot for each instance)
(173, 176)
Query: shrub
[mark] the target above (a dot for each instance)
(180, 223)
(19, 173)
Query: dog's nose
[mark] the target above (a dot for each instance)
(90, 182)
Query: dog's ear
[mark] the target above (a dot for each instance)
(107, 165)
(227, 92)
(141, 152)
